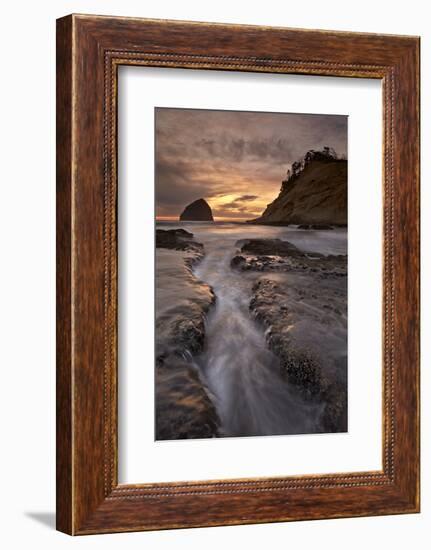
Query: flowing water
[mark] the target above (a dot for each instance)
(242, 375)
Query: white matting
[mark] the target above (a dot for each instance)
(141, 459)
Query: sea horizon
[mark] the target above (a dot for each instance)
(216, 220)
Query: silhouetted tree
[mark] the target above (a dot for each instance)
(327, 154)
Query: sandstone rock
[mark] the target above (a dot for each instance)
(318, 195)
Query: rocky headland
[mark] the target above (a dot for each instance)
(314, 193)
(184, 408)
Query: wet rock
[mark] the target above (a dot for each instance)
(268, 247)
(184, 409)
(181, 329)
(238, 262)
(183, 406)
(315, 226)
(177, 239)
(282, 256)
(334, 417)
(301, 337)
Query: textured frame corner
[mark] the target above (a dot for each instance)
(107, 506)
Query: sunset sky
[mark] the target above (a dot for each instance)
(234, 160)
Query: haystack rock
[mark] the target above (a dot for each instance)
(197, 211)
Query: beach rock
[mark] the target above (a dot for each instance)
(180, 329)
(197, 211)
(291, 313)
(282, 256)
(271, 247)
(315, 226)
(237, 262)
(301, 299)
(184, 409)
(183, 406)
(177, 239)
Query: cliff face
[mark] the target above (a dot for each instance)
(197, 211)
(318, 195)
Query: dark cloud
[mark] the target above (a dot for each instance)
(235, 160)
(179, 182)
(240, 203)
(247, 198)
(240, 150)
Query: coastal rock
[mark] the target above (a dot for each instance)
(184, 409)
(271, 247)
(282, 256)
(183, 406)
(180, 329)
(177, 239)
(315, 226)
(317, 195)
(294, 333)
(301, 298)
(197, 211)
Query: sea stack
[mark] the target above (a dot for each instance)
(197, 211)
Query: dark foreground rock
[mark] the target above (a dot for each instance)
(177, 239)
(197, 211)
(306, 362)
(183, 405)
(184, 409)
(276, 255)
(315, 226)
(271, 247)
(301, 298)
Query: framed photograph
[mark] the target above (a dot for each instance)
(237, 274)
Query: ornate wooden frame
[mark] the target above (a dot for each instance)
(89, 51)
